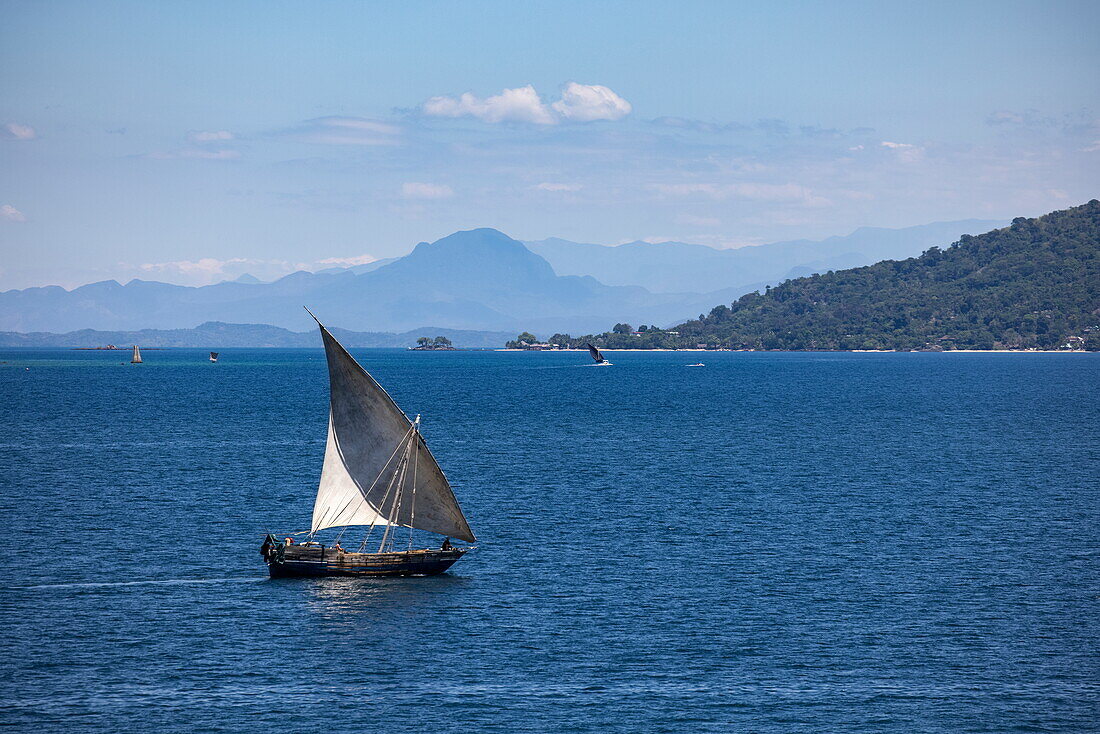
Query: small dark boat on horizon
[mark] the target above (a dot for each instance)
(597, 356)
(377, 474)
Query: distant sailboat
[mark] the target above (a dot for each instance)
(379, 474)
(136, 359)
(213, 356)
(597, 356)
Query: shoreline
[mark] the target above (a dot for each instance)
(820, 351)
(24, 347)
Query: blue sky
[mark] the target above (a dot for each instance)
(192, 141)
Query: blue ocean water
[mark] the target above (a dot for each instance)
(771, 543)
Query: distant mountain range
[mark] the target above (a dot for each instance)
(678, 267)
(215, 335)
(477, 280)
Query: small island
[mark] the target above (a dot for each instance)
(621, 336)
(427, 344)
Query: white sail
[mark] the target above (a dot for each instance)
(136, 359)
(376, 463)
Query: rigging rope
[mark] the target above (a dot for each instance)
(328, 514)
(386, 496)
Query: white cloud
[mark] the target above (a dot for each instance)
(16, 131)
(578, 103)
(586, 102)
(907, 153)
(752, 191)
(856, 148)
(347, 262)
(1095, 147)
(547, 186)
(521, 104)
(418, 190)
(10, 214)
(215, 136)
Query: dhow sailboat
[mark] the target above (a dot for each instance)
(377, 475)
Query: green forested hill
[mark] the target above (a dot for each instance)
(1034, 284)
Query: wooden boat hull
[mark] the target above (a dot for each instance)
(326, 562)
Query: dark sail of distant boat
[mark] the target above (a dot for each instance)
(213, 356)
(377, 473)
(597, 355)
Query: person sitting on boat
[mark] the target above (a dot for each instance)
(290, 541)
(447, 544)
(338, 548)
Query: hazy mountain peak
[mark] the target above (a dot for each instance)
(484, 237)
(479, 254)
(101, 285)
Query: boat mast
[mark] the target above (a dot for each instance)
(395, 508)
(416, 454)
